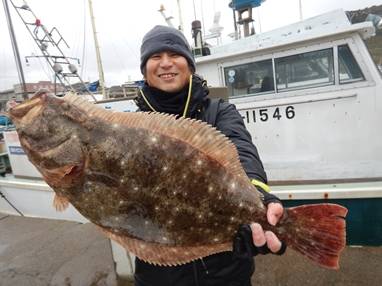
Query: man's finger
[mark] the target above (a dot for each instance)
(274, 213)
(258, 235)
(274, 244)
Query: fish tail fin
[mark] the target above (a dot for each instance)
(60, 203)
(317, 231)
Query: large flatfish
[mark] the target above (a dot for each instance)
(169, 190)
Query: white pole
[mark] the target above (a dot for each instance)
(300, 7)
(99, 62)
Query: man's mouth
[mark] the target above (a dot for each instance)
(167, 75)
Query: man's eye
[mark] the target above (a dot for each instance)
(174, 55)
(155, 57)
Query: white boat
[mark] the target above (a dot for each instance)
(310, 95)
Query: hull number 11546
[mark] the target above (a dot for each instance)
(265, 114)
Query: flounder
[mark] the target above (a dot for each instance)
(168, 190)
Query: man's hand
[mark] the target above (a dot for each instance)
(260, 238)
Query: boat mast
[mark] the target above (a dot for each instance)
(99, 62)
(15, 50)
(181, 28)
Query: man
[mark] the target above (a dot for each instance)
(171, 86)
(11, 103)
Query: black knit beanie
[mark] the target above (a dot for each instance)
(163, 38)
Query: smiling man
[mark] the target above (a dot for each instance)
(171, 86)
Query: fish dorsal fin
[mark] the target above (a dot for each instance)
(198, 134)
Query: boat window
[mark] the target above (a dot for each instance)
(252, 78)
(348, 67)
(305, 70)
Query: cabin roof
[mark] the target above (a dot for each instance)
(324, 25)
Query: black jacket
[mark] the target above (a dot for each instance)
(222, 268)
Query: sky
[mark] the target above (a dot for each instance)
(121, 24)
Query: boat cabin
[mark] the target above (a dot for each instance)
(310, 94)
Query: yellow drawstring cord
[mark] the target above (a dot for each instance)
(262, 185)
(188, 96)
(145, 99)
(187, 101)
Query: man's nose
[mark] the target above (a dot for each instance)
(166, 61)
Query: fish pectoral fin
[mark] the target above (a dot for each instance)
(62, 176)
(60, 203)
(164, 255)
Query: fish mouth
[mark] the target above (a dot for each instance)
(21, 110)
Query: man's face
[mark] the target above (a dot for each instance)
(167, 71)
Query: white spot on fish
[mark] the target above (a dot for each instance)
(121, 202)
(210, 189)
(216, 239)
(121, 180)
(165, 168)
(74, 136)
(154, 139)
(229, 228)
(220, 197)
(164, 238)
(116, 218)
(156, 208)
(170, 222)
(122, 163)
(184, 176)
(233, 185)
(176, 209)
(115, 125)
(136, 188)
(146, 222)
(200, 216)
(199, 162)
(241, 205)
(232, 218)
